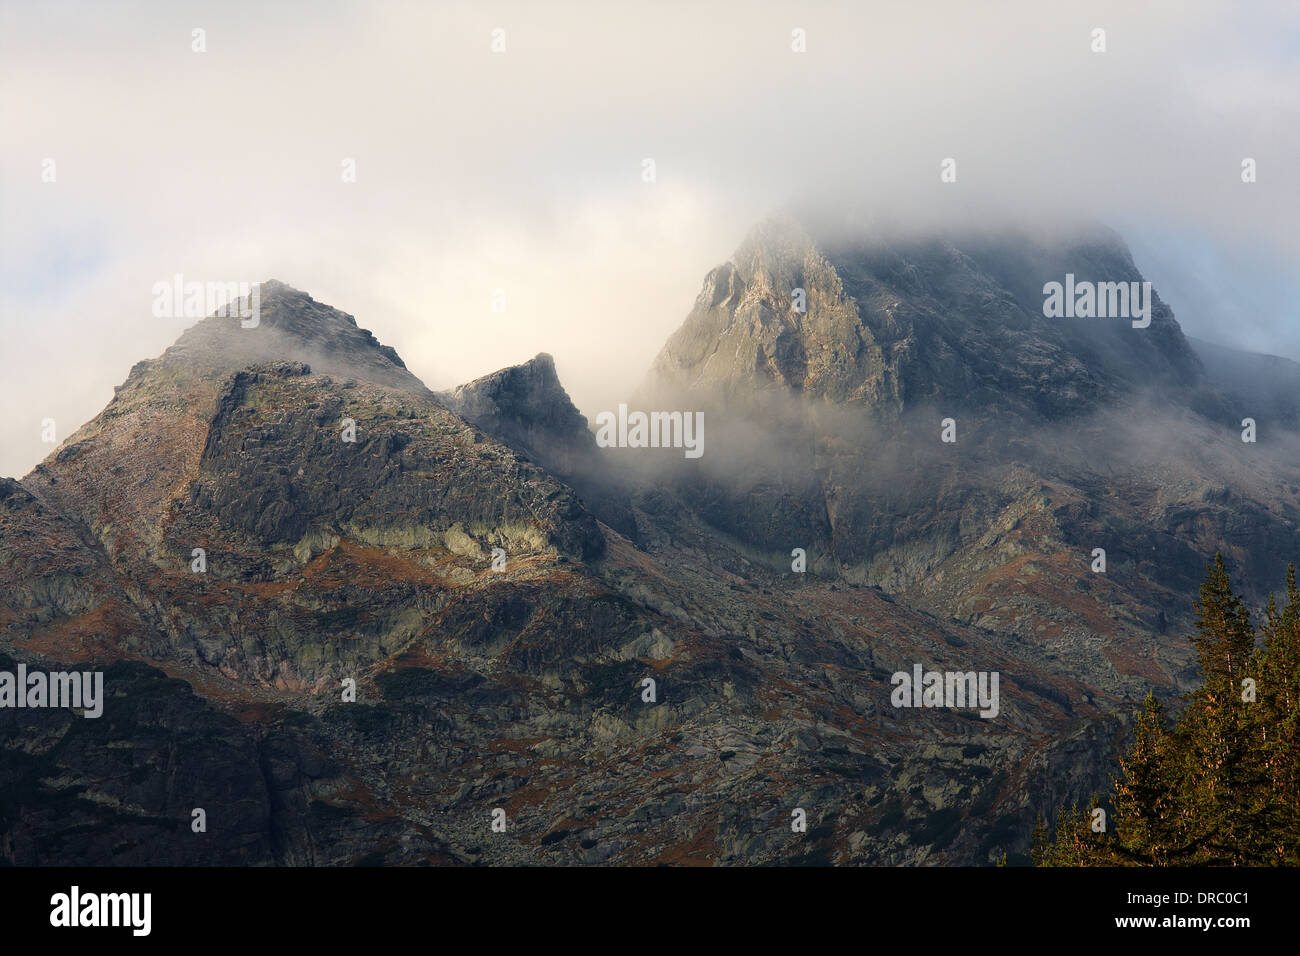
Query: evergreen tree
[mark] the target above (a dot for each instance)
(1275, 733)
(1222, 786)
(1143, 797)
(1225, 638)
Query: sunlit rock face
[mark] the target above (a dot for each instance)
(351, 618)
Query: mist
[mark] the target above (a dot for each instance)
(523, 172)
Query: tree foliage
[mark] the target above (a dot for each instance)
(1221, 785)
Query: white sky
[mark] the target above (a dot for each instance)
(522, 170)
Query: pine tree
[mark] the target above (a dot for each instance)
(1040, 846)
(1225, 638)
(1220, 804)
(1222, 786)
(1144, 797)
(1276, 731)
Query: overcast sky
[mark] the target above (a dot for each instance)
(522, 170)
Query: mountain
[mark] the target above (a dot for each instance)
(613, 645)
(889, 323)
(326, 561)
(1266, 387)
(526, 407)
(1068, 435)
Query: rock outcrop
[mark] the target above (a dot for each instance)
(526, 407)
(885, 324)
(349, 619)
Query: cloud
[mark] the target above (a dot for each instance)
(522, 171)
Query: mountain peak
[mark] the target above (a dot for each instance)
(526, 406)
(872, 315)
(289, 326)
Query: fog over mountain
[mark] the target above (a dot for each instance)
(519, 171)
(276, 505)
(632, 428)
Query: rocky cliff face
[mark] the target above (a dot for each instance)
(263, 520)
(886, 324)
(291, 327)
(1067, 434)
(269, 467)
(526, 408)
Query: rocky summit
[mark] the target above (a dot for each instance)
(526, 406)
(883, 323)
(355, 621)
